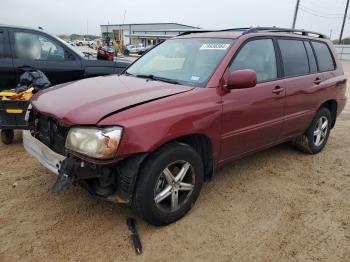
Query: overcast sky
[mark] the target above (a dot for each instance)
(73, 16)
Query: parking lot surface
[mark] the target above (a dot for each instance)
(277, 205)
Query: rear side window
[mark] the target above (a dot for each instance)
(2, 44)
(295, 61)
(257, 55)
(324, 56)
(312, 60)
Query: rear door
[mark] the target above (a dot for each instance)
(8, 78)
(302, 82)
(37, 50)
(253, 117)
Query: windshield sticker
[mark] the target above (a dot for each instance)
(214, 46)
(195, 78)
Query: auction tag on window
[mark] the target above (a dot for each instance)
(214, 46)
(195, 78)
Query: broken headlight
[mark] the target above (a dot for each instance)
(94, 142)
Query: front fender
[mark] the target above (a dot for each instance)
(148, 126)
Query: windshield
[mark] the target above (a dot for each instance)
(189, 61)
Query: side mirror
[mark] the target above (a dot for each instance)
(239, 79)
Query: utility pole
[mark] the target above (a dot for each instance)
(344, 19)
(122, 31)
(295, 14)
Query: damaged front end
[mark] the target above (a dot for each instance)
(114, 182)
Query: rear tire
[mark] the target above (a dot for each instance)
(169, 184)
(7, 136)
(316, 136)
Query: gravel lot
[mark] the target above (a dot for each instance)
(277, 205)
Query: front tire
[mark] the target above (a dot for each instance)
(316, 136)
(169, 184)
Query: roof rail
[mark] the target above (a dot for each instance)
(248, 30)
(278, 30)
(242, 29)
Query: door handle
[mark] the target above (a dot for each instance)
(277, 90)
(317, 81)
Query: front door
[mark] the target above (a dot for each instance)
(34, 50)
(253, 117)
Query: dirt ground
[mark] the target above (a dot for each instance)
(277, 205)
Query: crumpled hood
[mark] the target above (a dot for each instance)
(87, 101)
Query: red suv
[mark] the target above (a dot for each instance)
(150, 136)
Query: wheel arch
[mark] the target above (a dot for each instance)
(203, 146)
(201, 143)
(332, 106)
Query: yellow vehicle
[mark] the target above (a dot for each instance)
(13, 107)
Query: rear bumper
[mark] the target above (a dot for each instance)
(42, 153)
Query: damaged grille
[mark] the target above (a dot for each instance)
(49, 131)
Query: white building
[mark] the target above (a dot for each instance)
(144, 33)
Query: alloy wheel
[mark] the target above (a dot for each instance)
(174, 186)
(320, 131)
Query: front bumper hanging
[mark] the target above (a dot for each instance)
(116, 182)
(48, 158)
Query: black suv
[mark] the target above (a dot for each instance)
(23, 49)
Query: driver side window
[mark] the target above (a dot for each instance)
(37, 47)
(257, 55)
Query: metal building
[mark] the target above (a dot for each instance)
(143, 33)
